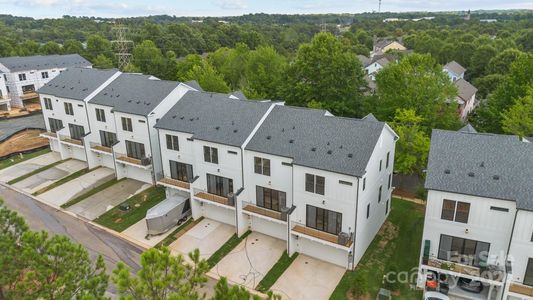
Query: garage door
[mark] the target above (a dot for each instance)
(322, 252)
(267, 227)
(218, 213)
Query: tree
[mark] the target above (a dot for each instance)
(184, 66)
(102, 62)
(72, 47)
(322, 72)
(208, 78)
(480, 60)
(518, 119)
(149, 58)
(264, 73)
(231, 64)
(50, 48)
(412, 147)
(501, 63)
(98, 45)
(28, 47)
(36, 266)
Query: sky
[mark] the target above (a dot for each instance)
(128, 8)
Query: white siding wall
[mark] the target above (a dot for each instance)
(521, 245)
(32, 77)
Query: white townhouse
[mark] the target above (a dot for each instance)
(122, 117)
(5, 99)
(24, 75)
(479, 215)
(64, 107)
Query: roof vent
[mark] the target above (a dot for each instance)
(129, 101)
(217, 128)
(269, 137)
(182, 117)
(291, 141)
(350, 155)
(313, 149)
(235, 130)
(470, 174)
(293, 127)
(282, 129)
(173, 117)
(191, 119)
(197, 118)
(340, 147)
(328, 143)
(447, 171)
(496, 177)
(482, 164)
(329, 151)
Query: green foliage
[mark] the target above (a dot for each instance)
(8, 162)
(102, 62)
(98, 45)
(518, 119)
(359, 285)
(264, 73)
(208, 78)
(231, 63)
(50, 48)
(72, 47)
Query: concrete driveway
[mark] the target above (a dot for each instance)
(208, 236)
(78, 186)
(308, 278)
(97, 204)
(28, 166)
(249, 262)
(138, 233)
(49, 176)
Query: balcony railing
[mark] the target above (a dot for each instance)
(204, 195)
(342, 239)
(98, 147)
(4, 98)
(172, 182)
(49, 134)
(69, 140)
(29, 95)
(143, 162)
(252, 208)
(521, 289)
(491, 272)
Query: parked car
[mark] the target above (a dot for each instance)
(470, 285)
(435, 296)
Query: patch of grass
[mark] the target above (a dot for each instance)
(8, 162)
(396, 246)
(88, 194)
(173, 236)
(226, 249)
(41, 169)
(64, 180)
(119, 220)
(275, 273)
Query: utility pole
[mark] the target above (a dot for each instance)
(121, 45)
(379, 6)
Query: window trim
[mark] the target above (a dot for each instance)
(48, 103)
(100, 114)
(262, 166)
(172, 142)
(69, 109)
(127, 124)
(456, 212)
(325, 219)
(315, 184)
(211, 154)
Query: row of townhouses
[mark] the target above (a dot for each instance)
(320, 183)
(20, 77)
(479, 215)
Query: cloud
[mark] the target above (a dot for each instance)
(231, 4)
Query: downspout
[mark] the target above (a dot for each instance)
(150, 143)
(85, 145)
(508, 249)
(290, 211)
(242, 182)
(160, 152)
(114, 157)
(355, 226)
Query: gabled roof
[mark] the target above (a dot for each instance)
(384, 43)
(77, 83)
(365, 61)
(40, 62)
(485, 165)
(468, 128)
(214, 117)
(313, 139)
(465, 89)
(455, 67)
(239, 94)
(136, 94)
(194, 84)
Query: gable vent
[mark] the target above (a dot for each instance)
(329, 151)
(470, 174)
(350, 155)
(447, 171)
(291, 141)
(313, 149)
(496, 177)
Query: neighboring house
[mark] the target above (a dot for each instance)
(365, 61)
(479, 213)
(384, 45)
(454, 70)
(466, 97)
(377, 63)
(24, 75)
(5, 99)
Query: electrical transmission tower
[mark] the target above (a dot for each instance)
(121, 45)
(379, 6)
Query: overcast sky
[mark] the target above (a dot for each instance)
(126, 8)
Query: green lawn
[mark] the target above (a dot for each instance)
(19, 158)
(119, 220)
(226, 249)
(396, 247)
(41, 169)
(273, 274)
(63, 180)
(97, 189)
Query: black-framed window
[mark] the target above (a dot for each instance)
(262, 166)
(126, 124)
(211, 154)
(380, 164)
(380, 191)
(528, 276)
(314, 184)
(107, 139)
(44, 75)
(387, 207)
(48, 103)
(464, 251)
(390, 181)
(455, 211)
(181, 171)
(76, 131)
(135, 150)
(323, 219)
(269, 198)
(364, 183)
(100, 115)
(172, 142)
(27, 89)
(68, 108)
(387, 160)
(368, 210)
(55, 124)
(22, 77)
(219, 185)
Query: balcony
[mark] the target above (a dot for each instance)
(96, 147)
(4, 98)
(29, 95)
(252, 209)
(491, 273)
(521, 289)
(48, 134)
(144, 163)
(68, 140)
(173, 183)
(217, 200)
(342, 241)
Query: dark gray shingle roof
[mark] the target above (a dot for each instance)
(39, 62)
(465, 89)
(76, 83)
(455, 67)
(312, 139)
(214, 117)
(486, 165)
(136, 94)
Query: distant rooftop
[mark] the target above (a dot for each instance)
(465, 89)
(455, 67)
(42, 62)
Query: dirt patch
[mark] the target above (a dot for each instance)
(388, 232)
(366, 296)
(23, 141)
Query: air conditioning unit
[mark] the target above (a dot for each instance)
(343, 238)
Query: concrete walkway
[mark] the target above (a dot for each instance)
(28, 166)
(138, 231)
(69, 190)
(49, 176)
(96, 205)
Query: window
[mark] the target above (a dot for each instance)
(464, 251)
(48, 103)
(44, 75)
(100, 115)
(232, 152)
(387, 207)
(314, 184)
(142, 121)
(455, 211)
(286, 164)
(528, 277)
(55, 124)
(172, 142)
(107, 139)
(380, 164)
(262, 166)
(28, 89)
(181, 171)
(22, 77)
(68, 108)
(390, 181)
(76, 131)
(126, 124)
(364, 183)
(368, 210)
(135, 150)
(387, 161)
(379, 193)
(218, 185)
(269, 198)
(345, 182)
(323, 219)
(211, 154)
